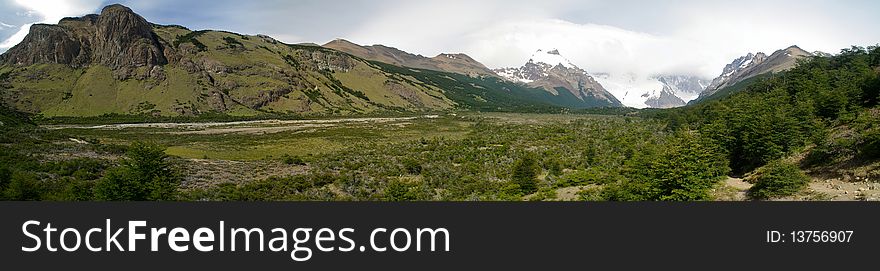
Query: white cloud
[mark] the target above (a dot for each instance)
(596, 48)
(680, 37)
(434, 27)
(505, 34)
(49, 12)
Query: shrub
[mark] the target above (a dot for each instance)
(5, 175)
(553, 166)
(293, 160)
(593, 175)
(778, 179)
(870, 149)
(404, 191)
(412, 166)
(23, 186)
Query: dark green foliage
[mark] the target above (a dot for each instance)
(553, 167)
(525, 174)
(765, 118)
(23, 186)
(412, 166)
(778, 179)
(871, 147)
(296, 187)
(293, 160)
(683, 169)
(593, 175)
(478, 93)
(146, 174)
(232, 42)
(5, 176)
(405, 191)
(191, 38)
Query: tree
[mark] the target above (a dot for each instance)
(525, 174)
(683, 169)
(690, 166)
(146, 174)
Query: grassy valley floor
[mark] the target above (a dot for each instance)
(464, 156)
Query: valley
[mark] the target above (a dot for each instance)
(112, 107)
(449, 156)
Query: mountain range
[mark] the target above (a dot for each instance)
(660, 91)
(556, 74)
(117, 62)
(455, 63)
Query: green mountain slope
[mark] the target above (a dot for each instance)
(76, 68)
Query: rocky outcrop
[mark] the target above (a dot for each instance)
(48, 44)
(117, 38)
(125, 39)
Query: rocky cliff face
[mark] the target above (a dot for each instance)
(49, 44)
(666, 99)
(125, 39)
(117, 38)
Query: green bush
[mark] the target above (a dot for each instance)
(5, 175)
(292, 160)
(870, 149)
(412, 166)
(778, 179)
(23, 186)
(404, 191)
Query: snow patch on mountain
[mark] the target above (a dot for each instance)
(655, 91)
(552, 58)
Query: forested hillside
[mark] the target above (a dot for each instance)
(824, 111)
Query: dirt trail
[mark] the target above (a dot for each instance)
(732, 189)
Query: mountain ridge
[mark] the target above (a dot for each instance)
(752, 65)
(447, 62)
(560, 73)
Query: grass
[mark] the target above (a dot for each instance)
(268, 144)
(258, 151)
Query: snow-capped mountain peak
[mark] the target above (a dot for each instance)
(558, 76)
(552, 58)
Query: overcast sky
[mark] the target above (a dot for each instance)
(641, 37)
